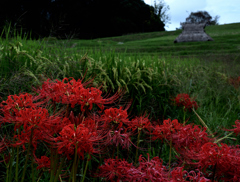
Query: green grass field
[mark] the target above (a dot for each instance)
(225, 44)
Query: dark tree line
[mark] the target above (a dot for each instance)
(80, 18)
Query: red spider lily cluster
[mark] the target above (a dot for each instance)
(120, 170)
(76, 137)
(147, 170)
(224, 160)
(184, 100)
(181, 136)
(57, 137)
(70, 91)
(197, 149)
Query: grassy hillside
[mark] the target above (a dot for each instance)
(225, 45)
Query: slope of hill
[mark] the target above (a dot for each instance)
(226, 43)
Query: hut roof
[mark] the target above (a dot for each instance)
(192, 33)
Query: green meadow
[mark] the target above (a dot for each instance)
(148, 67)
(226, 43)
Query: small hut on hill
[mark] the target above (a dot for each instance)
(193, 33)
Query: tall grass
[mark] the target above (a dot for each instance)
(149, 81)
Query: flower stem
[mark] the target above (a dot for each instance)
(85, 170)
(40, 175)
(54, 161)
(172, 148)
(33, 175)
(214, 171)
(184, 116)
(136, 156)
(17, 162)
(51, 165)
(74, 167)
(227, 136)
(59, 170)
(170, 154)
(27, 157)
(67, 111)
(117, 150)
(203, 123)
(54, 107)
(10, 165)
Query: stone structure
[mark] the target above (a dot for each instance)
(193, 33)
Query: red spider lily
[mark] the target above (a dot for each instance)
(70, 91)
(76, 120)
(25, 137)
(16, 103)
(166, 129)
(90, 122)
(223, 160)
(190, 136)
(61, 91)
(181, 136)
(88, 97)
(81, 137)
(235, 179)
(53, 125)
(120, 170)
(178, 174)
(236, 130)
(38, 125)
(39, 118)
(184, 100)
(31, 117)
(119, 137)
(58, 91)
(43, 162)
(149, 170)
(11, 107)
(139, 123)
(115, 170)
(114, 118)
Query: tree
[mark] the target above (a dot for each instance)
(215, 20)
(85, 19)
(161, 10)
(202, 17)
